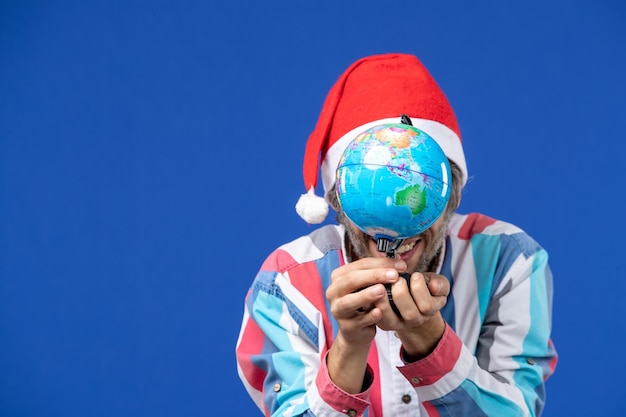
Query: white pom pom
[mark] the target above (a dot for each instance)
(312, 208)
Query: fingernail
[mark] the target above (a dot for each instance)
(377, 290)
(390, 274)
(399, 265)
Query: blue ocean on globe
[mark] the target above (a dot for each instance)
(393, 181)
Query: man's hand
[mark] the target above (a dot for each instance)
(420, 326)
(355, 295)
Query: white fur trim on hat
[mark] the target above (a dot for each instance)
(443, 135)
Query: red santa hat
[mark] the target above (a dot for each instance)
(375, 90)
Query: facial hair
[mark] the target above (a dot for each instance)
(433, 243)
(357, 243)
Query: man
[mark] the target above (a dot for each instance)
(319, 336)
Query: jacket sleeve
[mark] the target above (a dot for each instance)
(281, 354)
(505, 374)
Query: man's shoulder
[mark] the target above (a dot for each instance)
(481, 230)
(465, 226)
(313, 247)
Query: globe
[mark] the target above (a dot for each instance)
(393, 181)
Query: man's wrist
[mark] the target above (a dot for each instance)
(347, 365)
(420, 342)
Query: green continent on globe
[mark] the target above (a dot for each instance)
(412, 197)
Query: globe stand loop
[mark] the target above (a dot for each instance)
(388, 245)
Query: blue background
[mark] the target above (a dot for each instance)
(151, 154)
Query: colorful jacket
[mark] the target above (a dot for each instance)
(493, 359)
